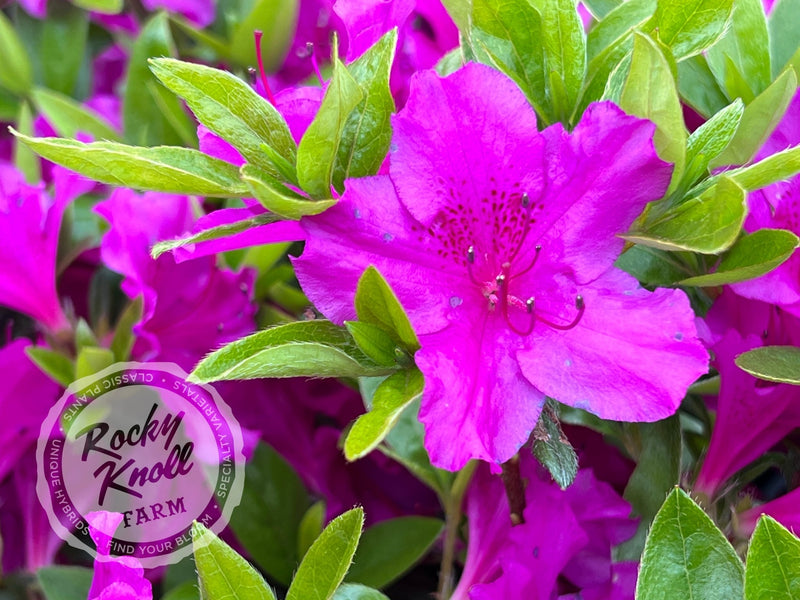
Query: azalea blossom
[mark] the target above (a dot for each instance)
(499, 241)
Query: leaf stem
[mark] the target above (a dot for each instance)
(452, 509)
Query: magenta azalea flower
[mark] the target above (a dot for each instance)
(499, 240)
(114, 578)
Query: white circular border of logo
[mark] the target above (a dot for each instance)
(77, 533)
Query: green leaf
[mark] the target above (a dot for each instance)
(355, 591)
(107, 7)
(17, 72)
(327, 561)
(776, 167)
(710, 139)
(758, 121)
(314, 348)
(222, 573)
(144, 124)
(65, 583)
(686, 556)
(600, 69)
(316, 155)
(377, 304)
(772, 363)
(688, 27)
(601, 8)
(122, 342)
(650, 93)
(390, 399)
(750, 257)
(390, 548)
(784, 33)
(698, 88)
(709, 223)
(773, 563)
(277, 19)
(657, 450)
(268, 518)
(92, 360)
(618, 25)
(373, 341)
(552, 449)
(507, 35)
(68, 117)
(230, 108)
(24, 158)
(652, 266)
(60, 368)
(213, 233)
(163, 168)
(310, 527)
(743, 52)
(277, 198)
(185, 591)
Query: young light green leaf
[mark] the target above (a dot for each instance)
(24, 158)
(650, 93)
(772, 363)
(775, 167)
(122, 342)
(60, 368)
(373, 341)
(773, 563)
(758, 121)
(356, 591)
(230, 108)
(92, 360)
(710, 139)
(698, 88)
(600, 70)
(143, 124)
(222, 573)
(279, 199)
(784, 33)
(709, 223)
(310, 527)
(163, 168)
(327, 561)
(315, 348)
(377, 304)
(316, 155)
(743, 52)
(657, 451)
(17, 72)
(686, 556)
(750, 257)
(267, 520)
(552, 449)
(688, 27)
(277, 19)
(390, 548)
(107, 7)
(69, 117)
(65, 583)
(392, 396)
(618, 24)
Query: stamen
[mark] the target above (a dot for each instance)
(529, 305)
(470, 262)
(579, 305)
(538, 249)
(503, 291)
(525, 202)
(258, 34)
(314, 63)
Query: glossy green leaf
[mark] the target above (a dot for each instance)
(688, 27)
(17, 72)
(709, 223)
(222, 573)
(279, 199)
(277, 19)
(152, 116)
(652, 266)
(356, 591)
(773, 563)
(314, 348)
(743, 52)
(392, 396)
(267, 520)
(57, 366)
(612, 59)
(163, 168)
(316, 155)
(772, 363)
(552, 449)
(92, 360)
(758, 121)
(65, 583)
(390, 548)
(69, 117)
(657, 450)
(373, 341)
(698, 88)
(310, 527)
(686, 556)
(230, 108)
(650, 93)
(377, 304)
(775, 167)
(327, 561)
(784, 33)
(750, 257)
(710, 139)
(618, 24)
(507, 35)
